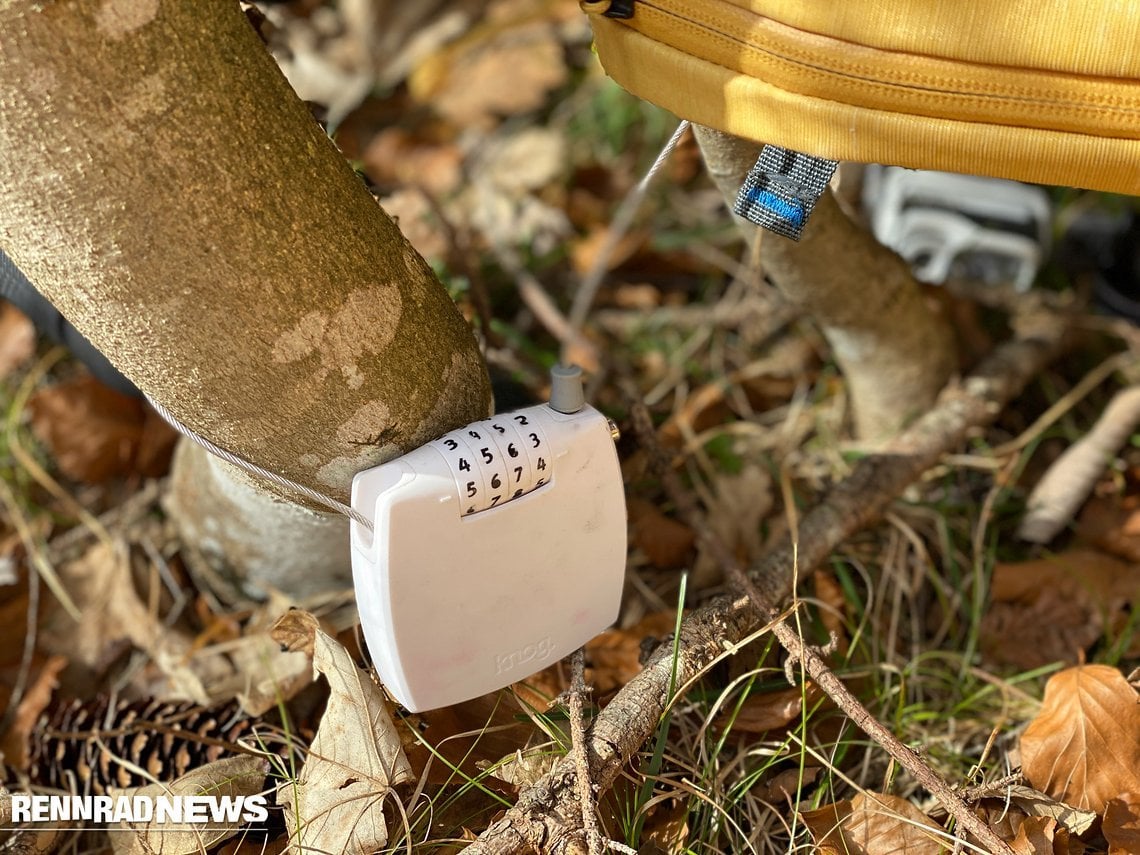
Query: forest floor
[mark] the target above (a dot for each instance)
(487, 128)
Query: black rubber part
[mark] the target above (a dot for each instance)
(17, 290)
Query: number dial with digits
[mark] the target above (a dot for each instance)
(496, 460)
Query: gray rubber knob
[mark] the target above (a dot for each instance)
(566, 393)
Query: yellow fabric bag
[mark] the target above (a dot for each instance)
(1032, 90)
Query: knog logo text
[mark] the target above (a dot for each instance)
(537, 651)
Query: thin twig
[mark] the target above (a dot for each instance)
(805, 655)
(623, 219)
(619, 731)
(990, 789)
(29, 463)
(1067, 401)
(71, 543)
(37, 556)
(769, 309)
(545, 309)
(581, 750)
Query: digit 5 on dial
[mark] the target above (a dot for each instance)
(498, 548)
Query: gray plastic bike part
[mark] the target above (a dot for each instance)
(566, 392)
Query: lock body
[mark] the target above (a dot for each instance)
(497, 550)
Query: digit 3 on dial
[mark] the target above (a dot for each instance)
(483, 565)
(522, 442)
(496, 460)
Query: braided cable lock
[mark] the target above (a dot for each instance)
(253, 468)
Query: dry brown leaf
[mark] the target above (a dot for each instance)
(703, 409)
(114, 613)
(1112, 523)
(1121, 826)
(40, 839)
(500, 69)
(1038, 836)
(585, 251)
(667, 828)
(296, 630)
(418, 222)
(398, 157)
(523, 768)
(1083, 748)
(615, 655)
(15, 743)
(540, 690)
(874, 824)
(1054, 608)
(742, 502)
(95, 433)
(508, 199)
(1006, 820)
(469, 737)
(336, 804)
(254, 845)
(767, 382)
(1033, 803)
(771, 710)
(264, 674)
(666, 542)
(17, 339)
(782, 789)
(14, 605)
(833, 608)
(233, 777)
(635, 295)
(400, 35)
(1003, 819)
(521, 161)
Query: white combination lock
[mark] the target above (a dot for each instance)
(498, 549)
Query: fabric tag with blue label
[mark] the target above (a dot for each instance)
(782, 188)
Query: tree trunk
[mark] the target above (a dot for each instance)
(894, 351)
(164, 187)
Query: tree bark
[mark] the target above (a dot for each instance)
(164, 187)
(894, 351)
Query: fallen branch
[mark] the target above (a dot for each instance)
(575, 696)
(809, 659)
(1063, 489)
(803, 655)
(546, 815)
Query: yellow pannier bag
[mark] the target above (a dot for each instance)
(1032, 90)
